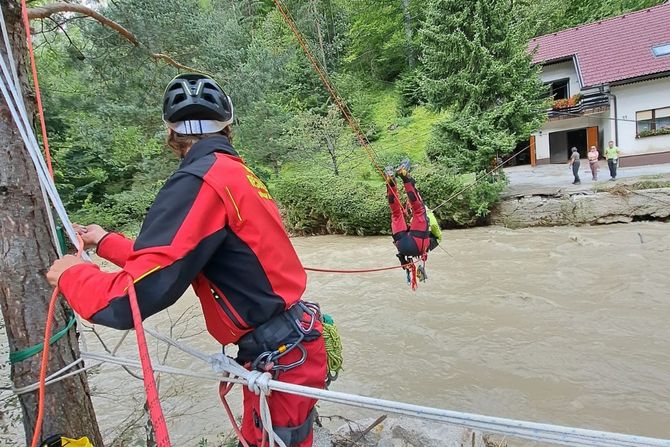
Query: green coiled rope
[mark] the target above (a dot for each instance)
(333, 342)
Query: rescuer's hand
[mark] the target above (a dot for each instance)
(90, 234)
(60, 265)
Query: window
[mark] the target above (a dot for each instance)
(560, 89)
(661, 50)
(653, 120)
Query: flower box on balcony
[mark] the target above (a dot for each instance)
(572, 101)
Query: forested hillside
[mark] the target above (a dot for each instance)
(447, 83)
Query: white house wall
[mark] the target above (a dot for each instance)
(542, 152)
(632, 98)
(562, 70)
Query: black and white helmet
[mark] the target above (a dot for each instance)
(194, 104)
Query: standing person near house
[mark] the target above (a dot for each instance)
(612, 154)
(575, 163)
(593, 156)
(213, 226)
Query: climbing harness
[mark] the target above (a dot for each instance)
(274, 339)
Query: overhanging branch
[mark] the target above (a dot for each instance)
(46, 11)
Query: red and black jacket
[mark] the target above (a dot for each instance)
(214, 226)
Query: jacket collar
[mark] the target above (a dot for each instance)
(208, 146)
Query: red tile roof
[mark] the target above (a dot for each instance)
(611, 50)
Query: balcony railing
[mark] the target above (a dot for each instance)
(586, 103)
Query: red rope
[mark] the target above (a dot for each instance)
(353, 271)
(224, 388)
(153, 402)
(38, 96)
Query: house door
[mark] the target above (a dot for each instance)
(533, 160)
(592, 137)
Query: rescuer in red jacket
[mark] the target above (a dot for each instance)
(214, 226)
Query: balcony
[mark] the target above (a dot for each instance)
(579, 105)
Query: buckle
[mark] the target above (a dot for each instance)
(269, 360)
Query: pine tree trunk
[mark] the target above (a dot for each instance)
(407, 18)
(27, 251)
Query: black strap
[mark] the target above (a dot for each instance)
(293, 436)
(269, 336)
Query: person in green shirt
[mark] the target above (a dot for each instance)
(612, 154)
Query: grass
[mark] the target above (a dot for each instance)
(402, 135)
(399, 137)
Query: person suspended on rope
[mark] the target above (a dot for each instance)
(214, 226)
(423, 233)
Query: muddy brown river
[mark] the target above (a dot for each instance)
(562, 325)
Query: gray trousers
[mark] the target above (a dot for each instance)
(575, 170)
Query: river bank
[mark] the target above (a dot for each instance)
(544, 197)
(562, 325)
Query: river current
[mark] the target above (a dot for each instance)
(563, 325)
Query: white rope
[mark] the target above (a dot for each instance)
(14, 101)
(17, 85)
(526, 430)
(57, 376)
(256, 381)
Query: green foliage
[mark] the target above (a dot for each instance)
(376, 38)
(651, 133)
(264, 135)
(473, 83)
(462, 201)
(316, 202)
(325, 135)
(467, 143)
(476, 63)
(410, 91)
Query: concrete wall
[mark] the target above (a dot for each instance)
(632, 98)
(562, 70)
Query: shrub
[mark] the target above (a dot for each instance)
(320, 202)
(464, 200)
(314, 203)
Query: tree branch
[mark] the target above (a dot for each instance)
(46, 11)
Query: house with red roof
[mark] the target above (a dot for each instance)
(610, 81)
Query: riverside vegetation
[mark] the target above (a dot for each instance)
(405, 68)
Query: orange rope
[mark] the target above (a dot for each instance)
(38, 96)
(45, 359)
(43, 369)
